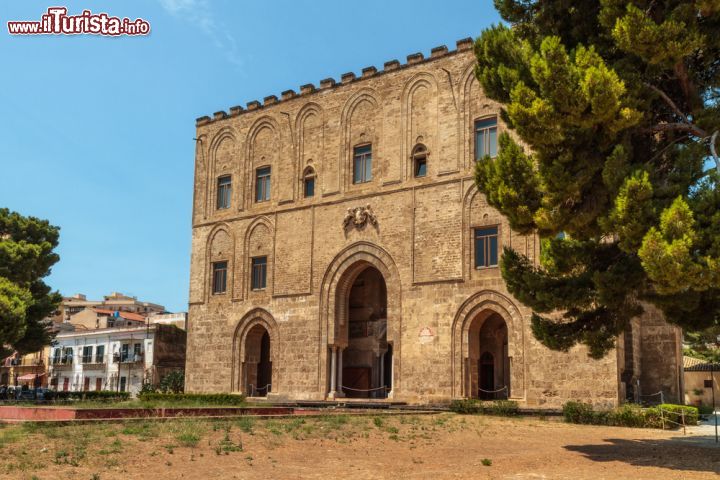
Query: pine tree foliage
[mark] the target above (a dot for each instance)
(618, 102)
(26, 256)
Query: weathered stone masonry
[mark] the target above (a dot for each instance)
(439, 328)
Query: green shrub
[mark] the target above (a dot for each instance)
(705, 410)
(173, 382)
(199, 398)
(579, 412)
(630, 415)
(675, 413)
(503, 408)
(466, 406)
(473, 406)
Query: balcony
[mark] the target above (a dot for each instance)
(129, 358)
(93, 363)
(62, 363)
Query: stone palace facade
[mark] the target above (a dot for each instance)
(341, 249)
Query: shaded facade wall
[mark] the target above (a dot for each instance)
(422, 241)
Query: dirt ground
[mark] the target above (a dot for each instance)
(398, 447)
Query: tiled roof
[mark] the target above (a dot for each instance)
(691, 364)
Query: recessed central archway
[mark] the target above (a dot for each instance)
(362, 358)
(360, 315)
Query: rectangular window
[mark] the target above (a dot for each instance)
(259, 273)
(100, 354)
(137, 352)
(124, 352)
(362, 164)
(420, 166)
(98, 384)
(708, 383)
(485, 137)
(123, 382)
(87, 355)
(262, 184)
(224, 190)
(219, 277)
(486, 247)
(309, 187)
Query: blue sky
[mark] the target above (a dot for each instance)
(96, 133)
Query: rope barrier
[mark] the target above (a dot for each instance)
(493, 391)
(364, 390)
(254, 390)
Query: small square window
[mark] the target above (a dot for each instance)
(259, 273)
(262, 184)
(486, 247)
(708, 383)
(362, 164)
(485, 138)
(219, 277)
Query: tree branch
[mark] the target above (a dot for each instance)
(670, 103)
(679, 127)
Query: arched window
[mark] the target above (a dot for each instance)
(419, 160)
(309, 177)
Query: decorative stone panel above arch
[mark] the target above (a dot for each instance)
(477, 308)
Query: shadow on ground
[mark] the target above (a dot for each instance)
(690, 453)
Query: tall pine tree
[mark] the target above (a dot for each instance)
(26, 256)
(619, 104)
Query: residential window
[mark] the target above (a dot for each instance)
(224, 191)
(486, 247)
(309, 183)
(137, 352)
(259, 273)
(68, 358)
(708, 383)
(485, 137)
(124, 352)
(57, 353)
(262, 184)
(87, 354)
(419, 158)
(219, 277)
(362, 164)
(123, 383)
(100, 354)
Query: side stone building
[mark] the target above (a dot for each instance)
(341, 249)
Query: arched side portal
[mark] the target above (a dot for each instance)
(488, 323)
(335, 318)
(488, 362)
(255, 369)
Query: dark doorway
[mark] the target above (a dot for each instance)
(487, 376)
(264, 368)
(257, 363)
(366, 363)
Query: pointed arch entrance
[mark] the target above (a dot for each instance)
(360, 315)
(488, 348)
(255, 369)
